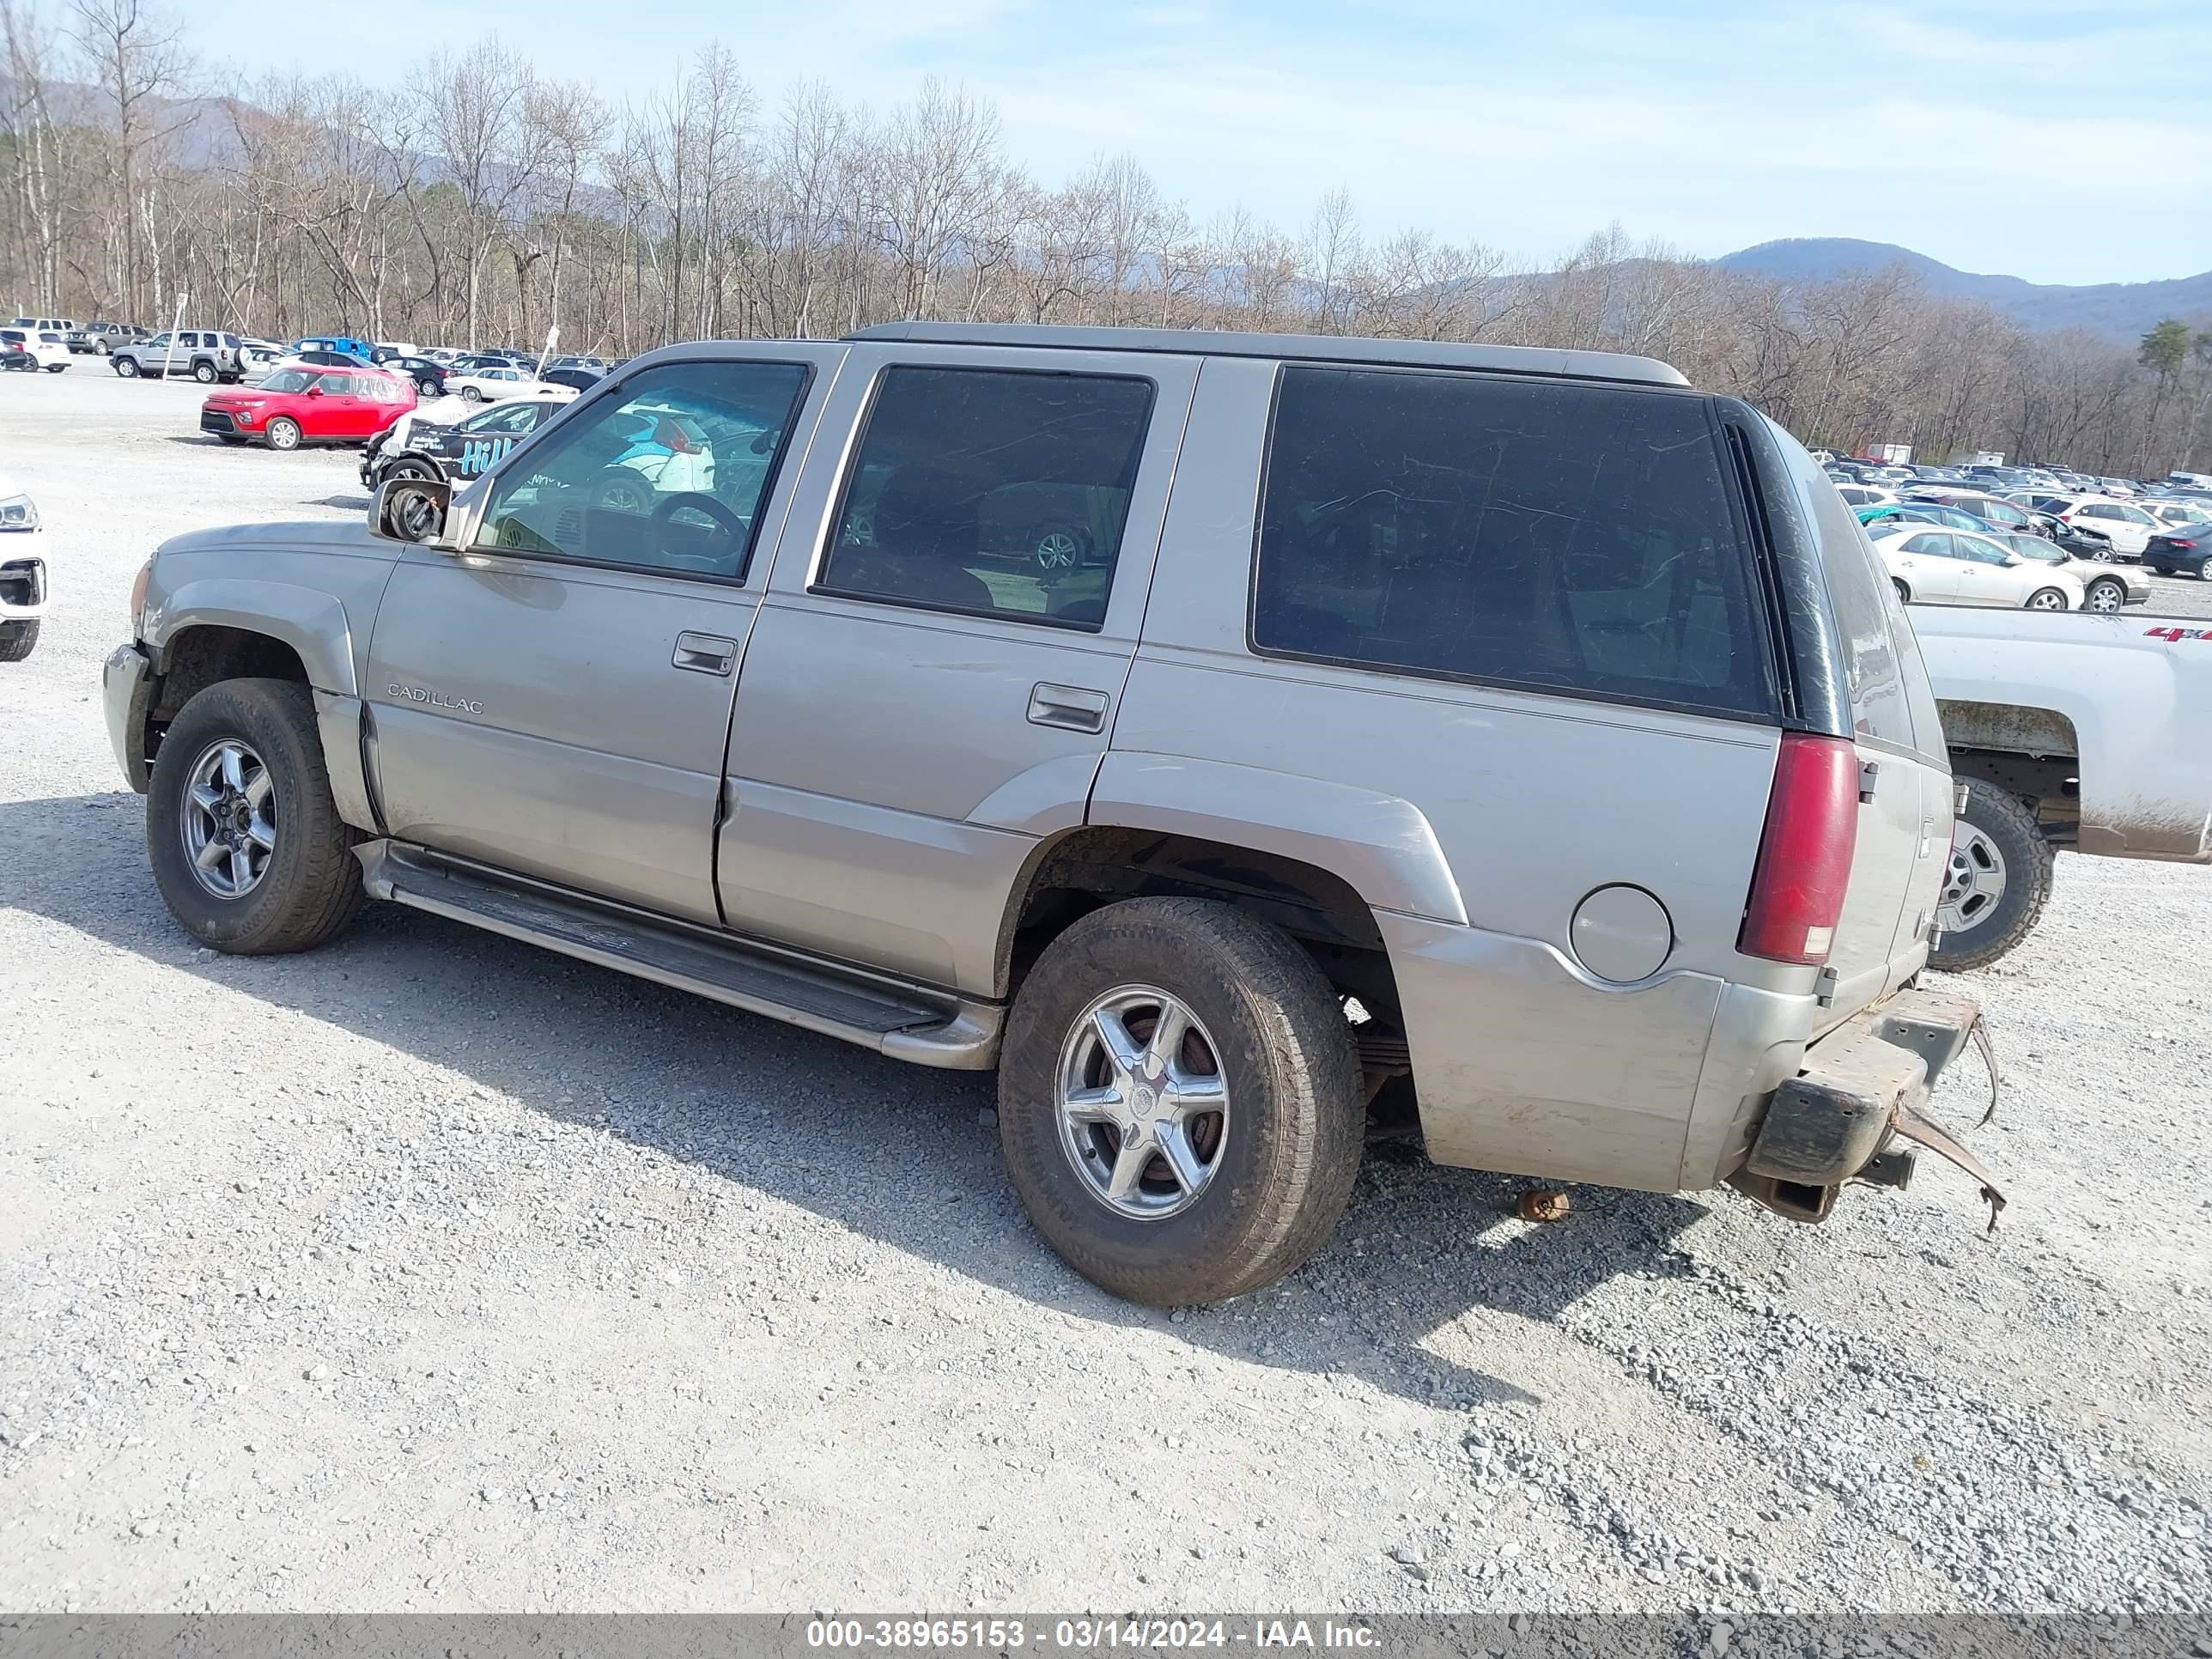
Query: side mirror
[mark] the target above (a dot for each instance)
(315, 390)
(413, 510)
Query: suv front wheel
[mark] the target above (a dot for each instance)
(246, 844)
(1179, 1101)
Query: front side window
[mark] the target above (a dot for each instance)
(1556, 536)
(288, 379)
(993, 492)
(668, 475)
(1935, 547)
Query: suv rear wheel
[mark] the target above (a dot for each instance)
(205, 373)
(1179, 1101)
(246, 844)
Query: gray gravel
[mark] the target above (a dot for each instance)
(432, 1271)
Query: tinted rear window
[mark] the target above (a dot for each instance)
(1557, 536)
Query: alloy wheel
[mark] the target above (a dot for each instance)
(1056, 550)
(227, 818)
(1975, 882)
(1143, 1104)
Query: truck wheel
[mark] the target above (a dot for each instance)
(2106, 597)
(246, 844)
(127, 367)
(1998, 882)
(205, 373)
(17, 639)
(1179, 1101)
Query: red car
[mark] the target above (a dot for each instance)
(301, 405)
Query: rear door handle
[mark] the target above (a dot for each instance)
(705, 653)
(1070, 708)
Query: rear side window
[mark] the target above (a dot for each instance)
(1561, 537)
(1864, 604)
(994, 492)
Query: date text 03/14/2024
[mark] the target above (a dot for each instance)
(1087, 1634)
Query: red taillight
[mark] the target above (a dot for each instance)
(2180, 541)
(1805, 852)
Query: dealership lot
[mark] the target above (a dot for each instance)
(429, 1271)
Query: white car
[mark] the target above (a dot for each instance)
(1934, 566)
(2127, 526)
(23, 573)
(47, 346)
(453, 408)
(2170, 513)
(485, 386)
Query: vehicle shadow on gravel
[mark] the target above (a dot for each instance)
(905, 1155)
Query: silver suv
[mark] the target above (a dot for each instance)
(1520, 744)
(205, 354)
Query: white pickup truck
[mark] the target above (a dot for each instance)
(2086, 732)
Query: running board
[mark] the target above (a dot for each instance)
(961, 1037)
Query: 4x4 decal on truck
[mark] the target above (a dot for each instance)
(2177, 635)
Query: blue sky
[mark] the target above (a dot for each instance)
(2063, 143)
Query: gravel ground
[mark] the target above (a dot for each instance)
(433, 1272)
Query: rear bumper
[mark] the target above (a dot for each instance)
(1860, 1087)
(126, 684)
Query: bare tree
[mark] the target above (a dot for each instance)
(135, 55)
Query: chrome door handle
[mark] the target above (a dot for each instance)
(705, 653)
(1070, 708)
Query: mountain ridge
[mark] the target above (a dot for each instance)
(2114, 311)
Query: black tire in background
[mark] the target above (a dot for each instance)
(17, 639)
(283, 433)
(2046, 599)
(1998, 881)
(2106, 596)
(205, 373)
(1290, 1151)
(2204, 571)
(126, 368)
(312, 887)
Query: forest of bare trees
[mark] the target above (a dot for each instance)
(476, 202)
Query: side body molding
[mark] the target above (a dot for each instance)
(1381, 844)
(313, 623)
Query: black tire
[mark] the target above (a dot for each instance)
(1904, 593)
(1284, 1171)
(1997, 927)
(283, 433)
(206, 372)
(426, 387)
(2047, 599)
(312, 887)
(18, 639)
(2106, 596)
(2204, 571)
(471, 395)
(126, 368)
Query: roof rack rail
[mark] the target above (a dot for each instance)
(1305, 348)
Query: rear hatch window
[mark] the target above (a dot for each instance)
(1562, 537)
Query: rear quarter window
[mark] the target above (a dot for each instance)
(1544, 535)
